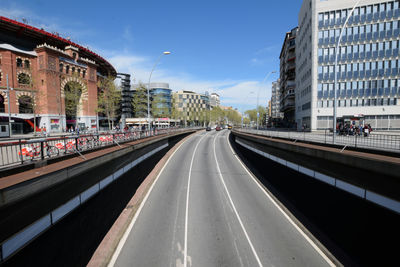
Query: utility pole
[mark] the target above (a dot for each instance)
(9, 110)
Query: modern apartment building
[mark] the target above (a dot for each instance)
(275, 101)
(160, 100)
(287, 77)
(191, 106)
(368, 63)
(214, 100)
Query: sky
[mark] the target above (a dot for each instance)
(226, 47)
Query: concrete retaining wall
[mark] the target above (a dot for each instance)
(358, 174)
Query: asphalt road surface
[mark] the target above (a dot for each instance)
(205, 209)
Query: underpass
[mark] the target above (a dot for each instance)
(205, 208)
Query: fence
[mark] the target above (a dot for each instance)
(372, 141)
(17, 152)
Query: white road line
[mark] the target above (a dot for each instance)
(122, 242)
(234, 208)
(281, 210)
(187, 204)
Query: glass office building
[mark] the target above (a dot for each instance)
(367, 63)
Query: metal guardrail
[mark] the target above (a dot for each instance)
(371, 141)
(21, 151)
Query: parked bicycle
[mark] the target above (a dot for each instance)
(31, 151)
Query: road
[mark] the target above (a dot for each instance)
(205, 209)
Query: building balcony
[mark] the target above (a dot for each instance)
(287, 106)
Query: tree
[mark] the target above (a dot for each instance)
(252, 113)
(109, 99)
(139, 101)
(159, 107)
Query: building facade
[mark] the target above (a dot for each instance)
(160, 100)
(368, 64)
(43, 71)
(287, 78)
(276, 113)
(191, 106)
(214, 100)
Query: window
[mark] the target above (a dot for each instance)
(380, 46)
(320, 17)
(380, 65)
(369, 10)
(361, 66)
(374, 27)
(355, 49)
(381, 26)
(362, 10)
(83, 73)
(375, 9)
(67, 69)
(349, 50)
(344, 13)
(19, 63)
(61, 67)
(24, 78)
(368, 28)
(382, 7)
(25, 105)
(361, 48)
(27, 64)
(356, 11)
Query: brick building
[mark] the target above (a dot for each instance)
(43, 71)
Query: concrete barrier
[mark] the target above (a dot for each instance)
(34, 206)
(375, 178)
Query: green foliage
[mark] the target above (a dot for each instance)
(108, 99)
(139, 101)
(159, 107)
(252, 114)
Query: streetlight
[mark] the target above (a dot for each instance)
(266, 77)
(148, 88)
(335, 68)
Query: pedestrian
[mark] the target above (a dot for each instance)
(366, 130)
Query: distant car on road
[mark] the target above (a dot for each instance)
(229, 127)
(218, 128)
(208, 129)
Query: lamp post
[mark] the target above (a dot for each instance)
(258, 95)
(9, 111)
(148, 88)
(335, 70)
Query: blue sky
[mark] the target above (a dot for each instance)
(219, 46)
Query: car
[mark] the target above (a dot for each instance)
(229, 127)
(218, 128)
(208, 128)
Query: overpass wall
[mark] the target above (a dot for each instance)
(369, 177)
(34, 206)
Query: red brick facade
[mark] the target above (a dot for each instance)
(42, 74)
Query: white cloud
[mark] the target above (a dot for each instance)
(236, 93)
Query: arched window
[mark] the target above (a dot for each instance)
(2, 109)
(73, 70)
(24, 78)
(19, 63)
(27, 64)
(25, 104)
(67, 69)
(61, 67)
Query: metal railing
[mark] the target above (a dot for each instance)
(21, 151)
(384, 142)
